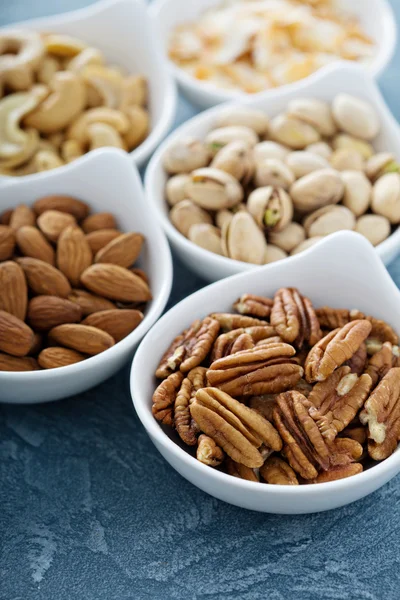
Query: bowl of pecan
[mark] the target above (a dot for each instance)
(279, 390)
(84, 273)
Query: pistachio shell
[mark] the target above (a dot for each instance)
(175, 188)
(244, 240)
(236, 159)
(272, 208)
(220, 137)
(346, 159)
(328, 219)
(272, 171)
(317, 189)
(186, 155)
(206, 236)
(386, 197)
(343, 141)
(355, 116)
(306, 244)
(357, 192)
(289, 238)
(253, 118)
(214, 189)
(381, 163)
(374, 227)
(292, 132)
(273, 253)
(269, 149)
(223, 216)
(321, 148)
(185, 214)
(315, 112)
(302, 163)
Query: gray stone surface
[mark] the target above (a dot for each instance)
(89, 510)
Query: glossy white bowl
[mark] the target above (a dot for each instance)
(325, 84)
(123, 31)
(375, 16)
(107, 181)
(344, 271)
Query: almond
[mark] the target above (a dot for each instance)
(73, 253)
(16, 337)
(45, 312)
(66, 204)
(5, 216)
(32, 242)
(140, 273)
(116, 283)
(100, 238)
(99, 221)
(122, 251)
(53, 222)
(12, 363)
(52, 358)
(82, 338)
(44, 279)
(22, 215)
(7, 242)
(90, 303)
(13, 289)
(37, 342)
(118, 323)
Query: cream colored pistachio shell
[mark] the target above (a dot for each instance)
(321, 149)
(386, 197)
(343, 141)
(315, 112)
(317, 189)
(272, 171)
(206, 236)
(213, 189)
(293, 132)
(185, 214)
(269, 149)
(306, 244)
(253, 118)
(223, 217)
(273, 253)
(289, 238)
(271, 207)
(175, 188)
(236, 159)
(375, 228)
(220, 137)
(185, 156)
(346, 159)
(381, 163)
(328, 219)
(302, 163)
(355, 116)
(244, 240)
(357, 192)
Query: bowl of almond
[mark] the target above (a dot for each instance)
(280, 393)
(83, 274)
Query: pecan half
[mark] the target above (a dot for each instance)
(277, 472)
(336, 473)
(243, 342)
(164, 398)
(382, 415)
(275, 339)
(380, 330)
(265, 370)
(359, 434)
(189, 349)
(344, 451)
(230, 321)
(208, 452)
(373, 346)
(382, 361)
(332, 318)
(334, 349)
(255, 306)
(184, 424)
(358, 361)
(294, 318)
(224, 342)
(240, 471)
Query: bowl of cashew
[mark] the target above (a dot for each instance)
(79, 81)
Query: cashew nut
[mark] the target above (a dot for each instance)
(134, 91)
(44, 160)
(63, 45)
(139, 126)
(48, 68)
(70, 150)
(115, 118)
(101, 134)
(88, 56)
(21, 53)
(107, 82)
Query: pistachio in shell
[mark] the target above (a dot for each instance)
(301, 162)
(321, 148)
(343, 141)
(272, 171)
(176, 188)
(346, 159)
(214, 189)
(317, 189)
(306, 244)
(380, 164)
(357, 192)
(386, 197)
(271, 207)
(185, 155)
(252, 118)
(288, 238)
(185, 214)
(236, 158)
(243, 240)
(270, 149)
(328, 219)
(223, 216)
(315, 112)
(206, 236)
(220, 137)
(355, 116)
(293, 132)
(375, 228)
(273, 254)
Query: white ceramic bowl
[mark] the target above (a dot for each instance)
(376, 17)
(123, 31)
(108, 181)
(325, 84)
(343, 272)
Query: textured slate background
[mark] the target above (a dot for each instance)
(90, 511)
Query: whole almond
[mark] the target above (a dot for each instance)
(73, 253)
(7, 242)
(66, 204)
(118, 323)
(5, 216)
(82, 338)
(122, 251)
(140, 273)
(32, 242)
(22, 215)
(52, 358)
(45, 312)
(116, 283)
(37, 343)
(90, 303)
(13, 363)
(100, 238)
(53, 222)
(99, 221)
(43, 279)
(13, 289)
(16, 337)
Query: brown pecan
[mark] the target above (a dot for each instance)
(223, 344)
(336, 473)
(265, 370)
(334, 349)
(164, 398)
(337, 400)
(277, 472)
(255, 306)
(344, 451)
(382, 361)
(208, 452)
(189, 349)
(380, 330)
(241, 471)
(275, 339)
(358, 361)
(230, 321)
(332, 318)
(184, 424)
(359, 434)
(382, 415)
(237, 429)
(243, 342)
(294, 318)
(373, 346)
